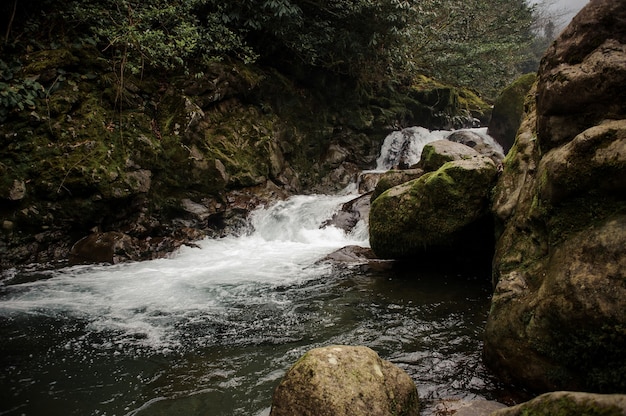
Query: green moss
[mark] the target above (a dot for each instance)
(476, 106)
(40, 61)
(581, 212)
(508, 110)
(565, 406)
(429, 211)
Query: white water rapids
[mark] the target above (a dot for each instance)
(212, 328)
(145, 303)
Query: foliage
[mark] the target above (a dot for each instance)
(15, 93)
(476, 43)
(158, 34)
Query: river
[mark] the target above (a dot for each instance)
(211, 329)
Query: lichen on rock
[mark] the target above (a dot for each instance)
(345, 381)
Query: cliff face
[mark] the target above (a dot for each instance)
(558, 314)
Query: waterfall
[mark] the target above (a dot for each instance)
(404, 147)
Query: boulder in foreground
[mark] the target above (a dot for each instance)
(345, 381)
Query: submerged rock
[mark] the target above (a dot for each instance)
(467, 407)
(345, 381)
(569, 403)
(110, 247)
(557, 316)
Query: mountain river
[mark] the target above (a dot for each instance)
(211, 329)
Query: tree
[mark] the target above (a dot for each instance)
(473, 43)
(476, 43)
(547, 19)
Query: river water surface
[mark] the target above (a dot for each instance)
(212, 329)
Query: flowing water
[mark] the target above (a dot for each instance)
(212, 329)
(406, 145)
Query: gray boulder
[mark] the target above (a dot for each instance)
(479, 143)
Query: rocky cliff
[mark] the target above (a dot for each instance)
(558, 314)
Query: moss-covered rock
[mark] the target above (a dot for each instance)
(436, 213)
(564, 403)
(439, 152)
(345, 381)
(508, 111)
(449, 107)
(393, 178)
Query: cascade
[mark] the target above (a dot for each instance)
(404, 147)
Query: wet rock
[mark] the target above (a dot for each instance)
(363, 257)
(109, 247)
(569, 403)
(351, 254)
(344, 381)
(367, 181)
(351, 213)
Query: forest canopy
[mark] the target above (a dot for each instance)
(476, 43)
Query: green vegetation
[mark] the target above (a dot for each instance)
(473, 43)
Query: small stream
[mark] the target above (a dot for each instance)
(212, 329)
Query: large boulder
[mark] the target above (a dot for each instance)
(393, 178)
(345, 381)
(442, 212)
(569, 403)
(437, 153)
(558, 319)
(582, 75)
